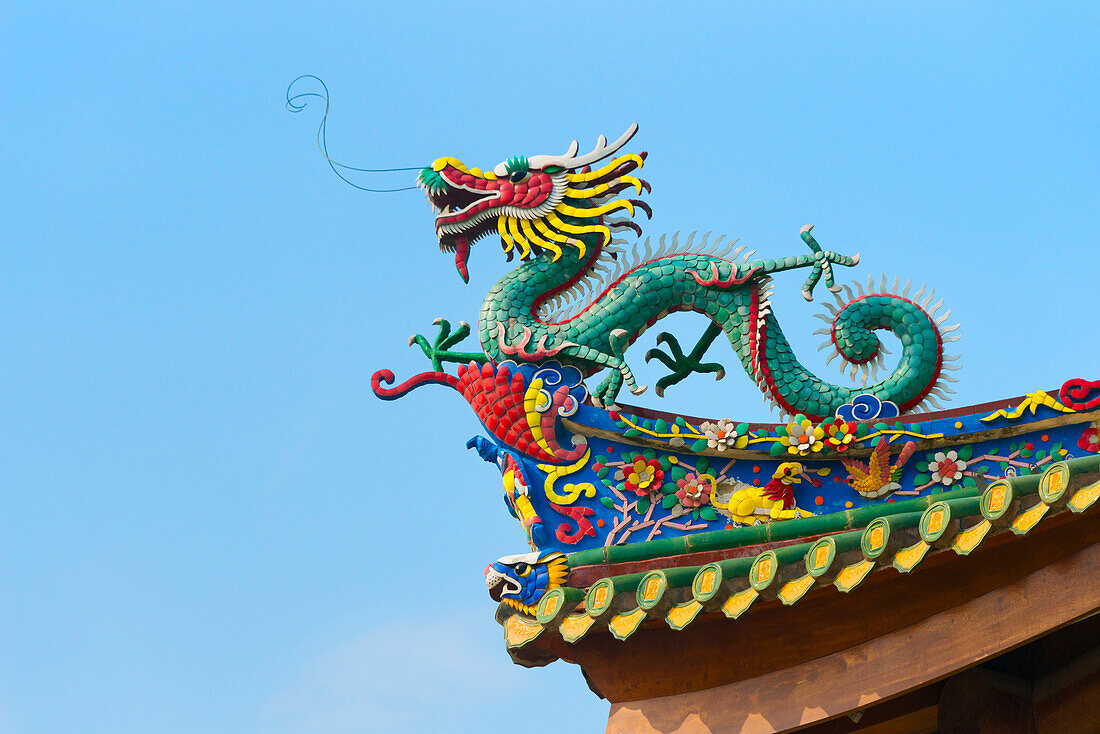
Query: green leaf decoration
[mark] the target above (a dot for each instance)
(921, 466)
(708, 514)
(1055, 449)
(969, 482)
(669, 502)
(777, 449)
(1012, 447)
(647, 424)
(660, 426)
(602, 472)
(1040, 455)
(669, 487)
(1025, 470)
(922, 479)
(781, 430)
(681, 422)
(643, 505)
(881, 427)
(799, 418)
(677, 473)
(1026, 453)
(862, 430)
(742, 429)
(607, 502)
(875, 440)
(695, 514)
(965, 452)
(665, 463)
(630, 432)
(984, 469)
(601, 459)
(702, 465)
(913, 428)
(649, 454)
(699, 445)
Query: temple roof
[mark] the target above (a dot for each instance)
(678, 580)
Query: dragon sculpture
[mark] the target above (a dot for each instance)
(559, 214)
(520, 580)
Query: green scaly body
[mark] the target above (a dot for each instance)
(648, 292)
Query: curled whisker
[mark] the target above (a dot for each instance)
(297, 102)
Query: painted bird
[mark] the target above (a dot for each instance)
(877, 478)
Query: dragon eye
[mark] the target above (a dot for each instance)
(517, 176)
(522, 569)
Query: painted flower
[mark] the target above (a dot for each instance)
(1090, 440)
(694, 490)
(946, 468)
(803, 438)
(839, 434)
(723, 435)
(641, 476)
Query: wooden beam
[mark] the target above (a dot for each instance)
(1067, 700)
(790, 698)
(988, 434)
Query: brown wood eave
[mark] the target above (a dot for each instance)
(715, 651)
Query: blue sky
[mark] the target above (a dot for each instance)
(211, 525)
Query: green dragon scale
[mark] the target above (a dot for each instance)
(576, 299)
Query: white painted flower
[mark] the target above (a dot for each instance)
(721, 435)
(947, 468)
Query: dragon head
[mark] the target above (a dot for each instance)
(520, 581)
(544, 203)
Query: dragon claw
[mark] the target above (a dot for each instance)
(682, 364)
(439, 351)
(823, 261)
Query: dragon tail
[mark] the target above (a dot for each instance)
(918, 380)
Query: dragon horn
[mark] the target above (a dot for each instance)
(571, 160)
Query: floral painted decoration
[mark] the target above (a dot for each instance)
(641, 476)
(839, 434)
(947, 468)
(1090, 440)
(802, 437)
(724, 435)
(694, 490)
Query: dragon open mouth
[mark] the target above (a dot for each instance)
(500, 585)
(462, 218)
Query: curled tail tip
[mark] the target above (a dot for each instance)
(806, 228)
(855, 259)
(808, 295)
(381, 378)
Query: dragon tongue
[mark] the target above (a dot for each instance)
(462, 254)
